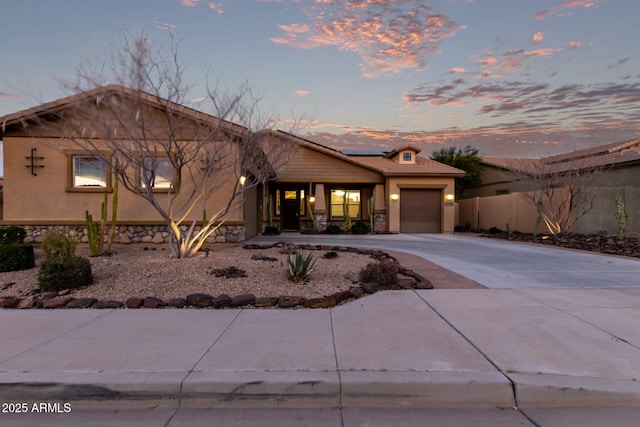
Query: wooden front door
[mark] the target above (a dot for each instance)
(290, 209)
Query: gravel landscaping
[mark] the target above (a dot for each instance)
(137, 275)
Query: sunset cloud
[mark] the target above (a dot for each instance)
(164, 25)
(215, 6)
(620, 62)
(388, 35)
(537, 37)
(301, 92)
(569, 4)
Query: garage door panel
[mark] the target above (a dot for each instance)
(420, 211)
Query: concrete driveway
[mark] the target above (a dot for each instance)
(495, 263)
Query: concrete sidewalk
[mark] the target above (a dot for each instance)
(478, 349)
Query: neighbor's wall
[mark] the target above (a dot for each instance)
(515, 210)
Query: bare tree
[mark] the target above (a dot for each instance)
(562, 191)
(174, 157)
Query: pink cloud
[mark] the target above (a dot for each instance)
(389, 35)
(301, 92)
(458, 70)
(568, 4)
(537, 37)
(216, 7)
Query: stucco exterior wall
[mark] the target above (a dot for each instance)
(394, 184)
(46, 198)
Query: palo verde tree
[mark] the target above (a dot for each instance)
(130, 115)
(467, 159)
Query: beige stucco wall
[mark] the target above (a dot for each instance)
(394, 184)
(45, 198)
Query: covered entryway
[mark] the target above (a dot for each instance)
(420, 210)
(290, 209)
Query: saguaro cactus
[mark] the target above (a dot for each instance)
(96, 231)
(621, 216)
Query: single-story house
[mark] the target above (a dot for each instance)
(620, 161)
(50, 181)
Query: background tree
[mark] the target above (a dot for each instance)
(140, 129)
(467, 159)
(562, 192)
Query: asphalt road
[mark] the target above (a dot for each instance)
(495, 263)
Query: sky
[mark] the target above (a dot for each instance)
(509, 77)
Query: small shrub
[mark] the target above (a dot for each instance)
(58, 244)
(64, 273)
(495, 230)
(299, 268)
(334, 229)
(330, 255)
(360, 228)
(262, 257)
(383, 273)
(16, 256)
(12, 234)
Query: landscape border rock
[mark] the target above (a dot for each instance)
(61, 299)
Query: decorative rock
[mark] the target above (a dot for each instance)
(82, 303)
(157, 238)
(325, 302)
(342, 296)
(356, 291)
(124, 238)
(406, 283)
(244, 299)
(153, 302)
(266, 302)
(221, 301)
(370, 288)
(200, 300)
(133, 302)
(57, 302)
(286, 301)
(108, 304)
(49, 295)
(64, 292)
(424, 284)
(28, 302)
(9, 302)
(177, 302)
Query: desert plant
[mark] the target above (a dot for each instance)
(347, 218)
(16, 256)
(330, 255)
(360, 228)
(371, 209)
(96, 231)
(58, 244)
(64, 273)
(310, 210)
(384, 273)
(299, 267)
(621, 216)
(12, 234)
(333, 229)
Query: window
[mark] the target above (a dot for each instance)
(352, 198)
(158, 171)
(406, 156)
(88, 172)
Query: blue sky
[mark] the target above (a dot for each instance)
(511, 77)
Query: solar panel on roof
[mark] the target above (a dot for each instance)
(370, 152)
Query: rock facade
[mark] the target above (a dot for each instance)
(135, 233)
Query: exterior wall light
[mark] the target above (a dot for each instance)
(395, 196)
(449, 197)
(312, 199)
(243, 179)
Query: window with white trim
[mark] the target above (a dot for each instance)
(88, 172)
(158, 172)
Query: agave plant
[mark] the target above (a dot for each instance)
(299, 267)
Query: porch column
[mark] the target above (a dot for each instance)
(321, 203)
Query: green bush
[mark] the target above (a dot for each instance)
(58, 244)
(12, 234)
(16, 256)
(360, 228)
(64, 273)
(384, 273)
(334, 229)
(330, 255)
(299, 268)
